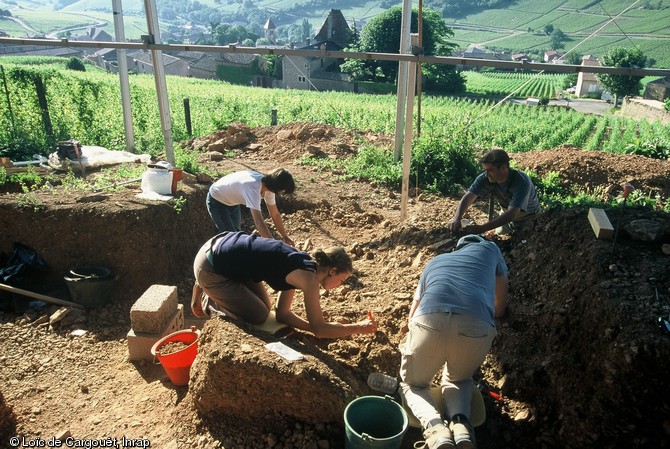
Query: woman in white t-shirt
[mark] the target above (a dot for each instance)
(248, 187)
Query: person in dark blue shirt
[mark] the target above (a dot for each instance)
(512, 189)
(231, 267)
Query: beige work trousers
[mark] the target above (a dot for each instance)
(455, 343)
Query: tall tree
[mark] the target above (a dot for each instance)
(557, 38)
(622, 85)
(382, 35)
(306, 30)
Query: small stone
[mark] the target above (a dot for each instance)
(522, 416)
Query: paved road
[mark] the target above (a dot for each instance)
(587, 106)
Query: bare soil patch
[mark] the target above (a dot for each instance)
(579, 359)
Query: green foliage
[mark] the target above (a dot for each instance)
(75, 100)
(438, 164)
(667, 104)
(516, 84)
(639, 198)
(569, 80)
(178, 204)
(554, 195)
(557, 38)
(654, 148)
(443, 164)
(225, 34)
(622, 85)
(75, 64)
(187, 160)
(29, 178)
(543, 101)
(28, 199)
(235, 75)
(358, 69)
(274, 65)
(382, 35)
(574, 59)
(370, 163)
(459, 8)
(443, 79)
(376, 165)
(111, 178)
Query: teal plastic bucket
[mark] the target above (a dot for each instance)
(374, 422)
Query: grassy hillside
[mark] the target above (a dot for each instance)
(517, 28)
(520, 28)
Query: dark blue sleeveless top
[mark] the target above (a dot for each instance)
(243, 257)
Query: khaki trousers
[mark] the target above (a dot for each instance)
(455, 343)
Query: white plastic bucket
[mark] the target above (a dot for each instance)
(157, 180)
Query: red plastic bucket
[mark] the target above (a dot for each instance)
(177, 175)
(177, 364)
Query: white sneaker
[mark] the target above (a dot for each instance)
(438, 437)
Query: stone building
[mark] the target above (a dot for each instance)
(319, 72)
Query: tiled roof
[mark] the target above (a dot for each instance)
(334, 28)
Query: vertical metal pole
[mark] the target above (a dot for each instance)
(403, 70)
(407, 154)
(418, 69)
(159, 79)
(123, 76)
(44, 107)
(9, 103)
(187, 116)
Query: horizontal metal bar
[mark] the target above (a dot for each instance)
(451, 60)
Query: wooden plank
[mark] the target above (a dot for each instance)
(601, 224)
(20, 291)
(34, 168)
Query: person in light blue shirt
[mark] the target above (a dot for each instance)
(451, 328)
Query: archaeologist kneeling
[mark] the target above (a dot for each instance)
(451, 328)
(230, 270)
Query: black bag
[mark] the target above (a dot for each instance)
(69, 149)
(23, 269)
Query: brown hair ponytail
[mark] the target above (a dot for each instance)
(334, 257)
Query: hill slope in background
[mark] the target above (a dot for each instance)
(517, 27)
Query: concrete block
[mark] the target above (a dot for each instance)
(601, 224)
(139, 344)
(154, 309)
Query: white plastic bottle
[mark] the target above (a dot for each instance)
(383, 382)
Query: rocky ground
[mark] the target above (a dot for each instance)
(579, 360)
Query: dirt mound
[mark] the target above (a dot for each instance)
(287, 142)
(598, 172)
(579, 358)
